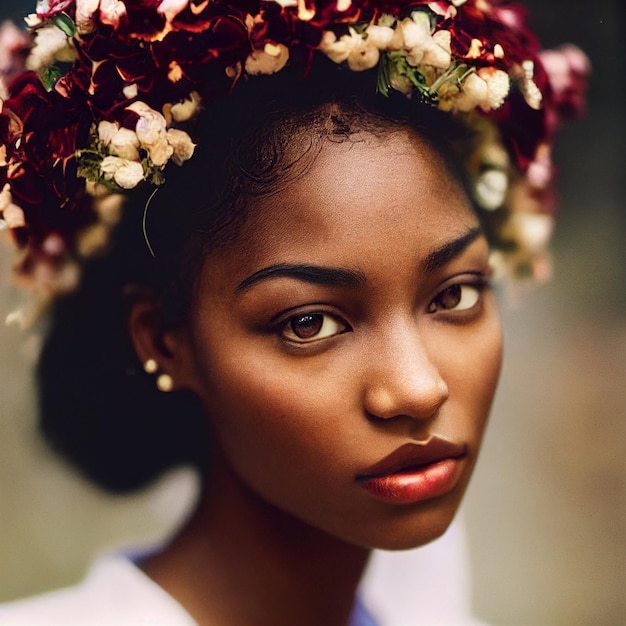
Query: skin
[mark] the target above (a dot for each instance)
(408, 346)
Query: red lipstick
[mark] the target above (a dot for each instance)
(415, 472)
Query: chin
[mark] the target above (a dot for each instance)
(408, 528)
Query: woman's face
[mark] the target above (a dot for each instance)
(346, 347)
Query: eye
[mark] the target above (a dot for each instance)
(457, 297)
(310, 327)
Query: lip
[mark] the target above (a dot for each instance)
(415, 471)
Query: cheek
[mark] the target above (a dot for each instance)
(264, 414)
(469, 360)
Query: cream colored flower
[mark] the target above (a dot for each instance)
(85, 10)
(182, 145)
(32, 20)
(121, 142)
(5, 197)
(125, 144)
(106, 130)
(498, 87)
(51, 44)
(416, 31)
(353, 48)
(270, 60)
(528, 87)
(12, 215)
(127, 174)
(383, 37)
(439, 52)
(111, 11)
(474, 93)
(160, 152)
(491, 189)
(151, 130)
(171, 8)
(130, 91)
(424, 48)
(532, 231)
(185, 110)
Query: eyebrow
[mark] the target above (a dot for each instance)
(450, 250)
(314, 274)
(342, 277)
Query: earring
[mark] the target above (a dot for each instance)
(164, 382)
(150, 366)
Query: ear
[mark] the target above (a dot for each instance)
(168, 347)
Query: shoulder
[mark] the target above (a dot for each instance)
(115, 592)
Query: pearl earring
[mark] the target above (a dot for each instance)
(164, 382)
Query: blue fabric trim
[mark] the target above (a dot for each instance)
(361, 616)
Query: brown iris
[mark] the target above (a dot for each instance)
(307, 326)
(448, 299)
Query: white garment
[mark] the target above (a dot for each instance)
(428, 586)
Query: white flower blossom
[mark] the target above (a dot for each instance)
(491, 189)
(151, 125)
(111, 11)
(130, 91)
(528, 87)
(127, 174)
(160, 152)
(85, 10)
(121, 142)
(498, 87)
(532, 230)
(106, 130)
(424, 48)
(125, 144)
(474, 93)
(185, 110)
(171, 8)
(383, 37)
(5, 197)
(151, 130)
(51, 44)
(353, 48)
(32, 20)
(415, 30)
(439, 52)
(182, 145)
(270, 60)
(12, 215)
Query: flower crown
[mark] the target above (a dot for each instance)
(96, 98)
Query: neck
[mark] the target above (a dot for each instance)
(241, 561)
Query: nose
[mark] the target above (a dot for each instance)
(402, 378)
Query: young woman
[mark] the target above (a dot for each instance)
(302, 308)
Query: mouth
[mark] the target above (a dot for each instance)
(416, 472)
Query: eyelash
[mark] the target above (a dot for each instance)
(320, 321)
(323, 325)
(458, 292)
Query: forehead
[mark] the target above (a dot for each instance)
(359, 198)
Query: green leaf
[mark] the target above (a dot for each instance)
(49, 77)
(66, 24)
(384, 75)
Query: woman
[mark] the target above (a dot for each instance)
(310, 288)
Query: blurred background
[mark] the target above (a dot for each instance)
(546, 511)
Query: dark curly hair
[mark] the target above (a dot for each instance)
(98, 407)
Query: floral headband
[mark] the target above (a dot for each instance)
(96, 99)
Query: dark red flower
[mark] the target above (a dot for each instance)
(492, 22)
